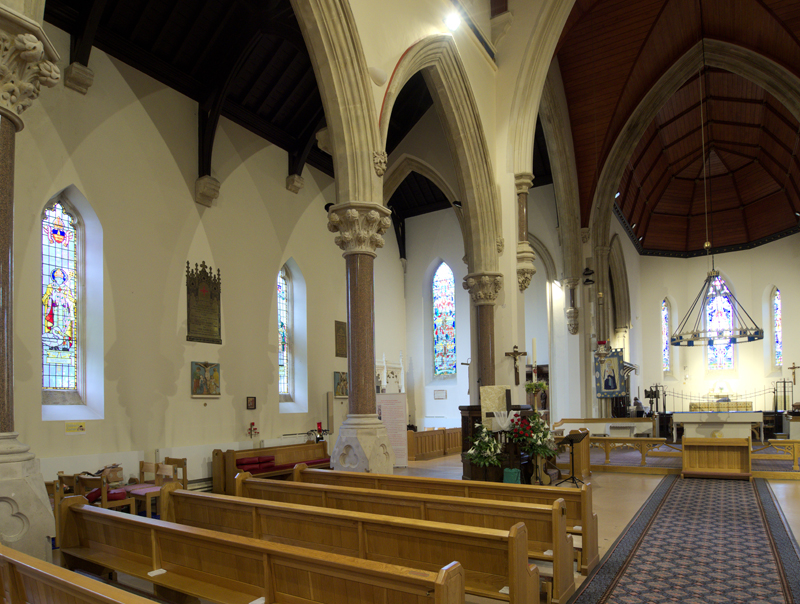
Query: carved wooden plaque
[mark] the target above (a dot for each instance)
(203, 290)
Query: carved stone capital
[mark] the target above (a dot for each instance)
(501, 244)
(27, 62)
(78, 77)
(585, 234)
(380, 160)
(571, 283)
(324, 141)
(294, 182)
(525, 267)
(523, 182)
(360, 226)
(483, 287)
(206, 190)
(572, 320)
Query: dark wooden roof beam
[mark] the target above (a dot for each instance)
(141, 25)
(306, 140)
(82, 40)
(166, 32)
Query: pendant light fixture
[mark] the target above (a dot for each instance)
(714, 294)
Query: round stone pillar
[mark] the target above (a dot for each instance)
(483, 290)
(362, 444)
(525, 255)
(27, 61)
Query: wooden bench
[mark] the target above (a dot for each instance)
(28, 580)
(548, 541)
(264, 463)
(580, 518)
(492, 560)
(232, 569)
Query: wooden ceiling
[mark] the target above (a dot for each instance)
(612, 52)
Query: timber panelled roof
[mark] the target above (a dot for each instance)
(612, 52)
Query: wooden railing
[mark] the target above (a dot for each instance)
(433, 443)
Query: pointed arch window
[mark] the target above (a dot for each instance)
(444, 321)
(666, 349)
(777, 329)
(719, 318)
(284, 334)
(60, 299)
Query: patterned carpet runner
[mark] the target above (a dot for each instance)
(700, 541)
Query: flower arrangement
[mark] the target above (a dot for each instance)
(535, 387)
(532, 435)
(485, 448)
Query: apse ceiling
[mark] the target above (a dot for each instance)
(612, 52)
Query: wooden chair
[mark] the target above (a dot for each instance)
(179, 463)
(97, 492)
(67, 483)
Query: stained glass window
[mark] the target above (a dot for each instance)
(59, 300)
(719, 318)
(283, 335)
(777, 328)
(444, 321)
(665, 349)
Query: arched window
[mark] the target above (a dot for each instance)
(719, 318)
(60, 299)
(777, 329)
(666, 364)
(284, 333)
(444, 321)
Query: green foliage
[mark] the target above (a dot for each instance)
(532, 435)
(535, 387)
(485, 449)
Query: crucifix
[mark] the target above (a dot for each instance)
(516, 354)
(793, 368)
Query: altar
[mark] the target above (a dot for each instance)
(710, 424)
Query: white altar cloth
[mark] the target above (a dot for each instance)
(708, 424)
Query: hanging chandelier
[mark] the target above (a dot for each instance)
(719, 319)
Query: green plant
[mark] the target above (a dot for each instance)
(532, 435)
(535, 387)
(485, 448)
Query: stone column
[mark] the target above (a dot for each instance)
(601, 268)
(571, 308)
(525, 255)
(363, 442)
(483, 289)
(28, 62)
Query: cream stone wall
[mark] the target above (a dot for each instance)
(129, 146)
(751, 274)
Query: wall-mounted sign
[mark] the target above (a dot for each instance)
(75, 427)
(440, 395)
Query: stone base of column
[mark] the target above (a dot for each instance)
(26, 519)
(363, 446)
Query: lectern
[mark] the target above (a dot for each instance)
(571, 440)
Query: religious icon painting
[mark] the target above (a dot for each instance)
(251, 402)
(608, 379)
(206, 380)
(340, 387)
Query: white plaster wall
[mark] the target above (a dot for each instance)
(751, 274)
(130, 147)
(431, 239)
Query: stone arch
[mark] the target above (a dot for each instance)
(533, 73)
(772, 77)
(543, 254)
(340, 67)
(554, 113)
(619, 277)
(437, 58)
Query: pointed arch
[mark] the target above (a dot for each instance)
(619, 277)
(437, 58)
(340, 67)
(772, 77)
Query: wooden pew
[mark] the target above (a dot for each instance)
(264, 463)
(492, 559)
(580, 518)
(231, 569)
(28, 580)
(548, 541)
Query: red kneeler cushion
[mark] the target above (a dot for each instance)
(247, 461)
(267, 459)
(266, 467)
(252, 468)
(115, 495)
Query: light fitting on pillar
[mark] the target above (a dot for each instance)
(714, 295)
(588, 281)
(328, 206)
(587, 272)
(457, 204)
(452, 21)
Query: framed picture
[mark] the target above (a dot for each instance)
(340, 338)
(340, 384)
(608, 379)
(251, 402)
(205, 380)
